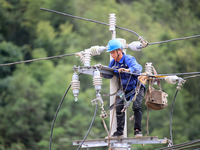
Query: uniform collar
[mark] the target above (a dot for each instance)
(122, 59)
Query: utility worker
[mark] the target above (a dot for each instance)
(125, 63)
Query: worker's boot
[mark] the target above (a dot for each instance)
(117, 134)
(137, 133)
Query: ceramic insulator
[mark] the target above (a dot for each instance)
(112, 22)
(75, 84)
(148, 68)
(87, 58)
(97, 80)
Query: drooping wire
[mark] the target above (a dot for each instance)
(178, 74)
(54, 119)
(89, 128)
(31, 60)
(191, 76)
(65, 14)
(55, 116)
(172, 74)
(171, 137)
(170, 125)
(183, 38)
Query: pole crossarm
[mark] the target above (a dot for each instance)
(91, 69)
(121, 142)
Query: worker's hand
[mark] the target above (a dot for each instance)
(123, 69)
(142, 78)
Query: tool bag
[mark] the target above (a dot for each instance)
(156, 99)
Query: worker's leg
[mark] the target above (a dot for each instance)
(137, 108)
(120, 116)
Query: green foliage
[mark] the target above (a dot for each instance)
(30, 93)
(8, 53)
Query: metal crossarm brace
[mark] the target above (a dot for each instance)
(121, 142)
(89, 70)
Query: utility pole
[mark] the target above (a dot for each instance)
(113, 88)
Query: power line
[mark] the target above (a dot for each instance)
(171, 74)
(54, 119)
(183, 146)
(31, 60)
(81, 18)
(171, 116)
(64, 55)
(95, 112)
(191, 76)
(183, 38)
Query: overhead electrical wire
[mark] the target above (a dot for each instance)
(171, 74)
(195, 144)
(31, 60)
(65, 14)
(191, 76)
(64, 55)
(170, 125)
(54, 119)
(183, 38)
(171, 137)
(166, 41)
(89, 128)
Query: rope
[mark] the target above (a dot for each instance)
(183, 38)
(128, 82)
(31, 60)
(147, 121)
(105, 126)
(111, 123)
(81, 18)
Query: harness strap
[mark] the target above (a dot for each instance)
(137, 90)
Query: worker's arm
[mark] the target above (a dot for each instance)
(133, 65)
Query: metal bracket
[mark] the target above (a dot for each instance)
(121, 142)
(89, 70)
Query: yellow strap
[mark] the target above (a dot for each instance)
(159, 76)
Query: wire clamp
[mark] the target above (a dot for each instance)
(143, 41)
(169, 143)
(180, 83)
(98, 98)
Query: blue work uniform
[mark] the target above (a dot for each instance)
(129, 83)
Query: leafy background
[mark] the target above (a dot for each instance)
(31, 92)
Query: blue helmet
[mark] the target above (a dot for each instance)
(113, 45)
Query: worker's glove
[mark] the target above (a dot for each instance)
(126, 105)
(135, 46)
(123, 69)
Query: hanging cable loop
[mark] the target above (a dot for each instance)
(65, 14)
